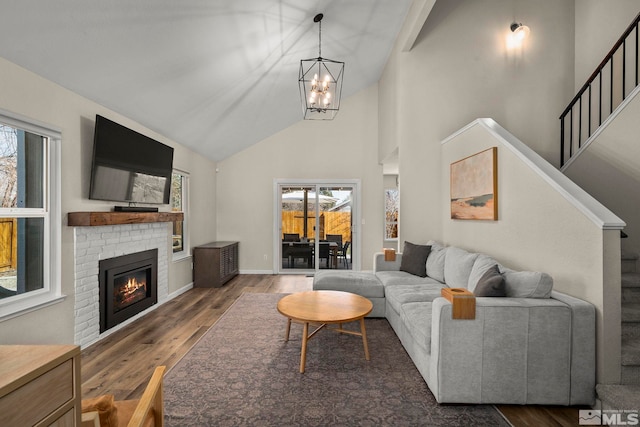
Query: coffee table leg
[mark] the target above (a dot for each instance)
(303, 351)
(364, 339)
(286, 335)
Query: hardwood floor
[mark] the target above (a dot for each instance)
(122, 363)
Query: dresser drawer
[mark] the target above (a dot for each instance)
(35, 400)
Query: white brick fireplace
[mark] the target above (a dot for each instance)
(95, 243)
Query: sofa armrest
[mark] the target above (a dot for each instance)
(583, 347)
(516, 350)
(379, 264)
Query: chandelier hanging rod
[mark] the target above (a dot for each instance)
(318, 19)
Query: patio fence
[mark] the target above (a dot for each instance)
(8, 244)
(330, 223)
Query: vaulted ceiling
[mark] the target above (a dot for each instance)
(214, 75)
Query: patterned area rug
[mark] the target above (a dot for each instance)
(243, 373)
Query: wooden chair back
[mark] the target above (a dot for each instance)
(150, 405)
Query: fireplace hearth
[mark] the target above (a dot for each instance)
(128, 285)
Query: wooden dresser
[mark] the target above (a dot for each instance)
(40, 385)
(214, 264)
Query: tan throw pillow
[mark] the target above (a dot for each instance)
(105, 408)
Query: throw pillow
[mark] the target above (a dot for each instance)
(491, 284)
(414, 259)
(435, 261)
(457, 267)
(527, 284)
(480, 266)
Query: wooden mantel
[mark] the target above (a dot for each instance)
(90, 219)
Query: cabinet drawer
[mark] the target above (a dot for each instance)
(35, 400)
(68, 419)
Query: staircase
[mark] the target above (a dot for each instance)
(608, 86)
(603, 100)
(626, 395)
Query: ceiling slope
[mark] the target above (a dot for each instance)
(215, 76)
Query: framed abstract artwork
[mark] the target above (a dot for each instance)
(474, 186)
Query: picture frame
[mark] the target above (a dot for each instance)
(474, 186)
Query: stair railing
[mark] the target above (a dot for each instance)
(612, 81)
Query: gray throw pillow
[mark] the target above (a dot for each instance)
(527, 284)
(491, 284)
(414, 259)
(457, 267)
(435, 261)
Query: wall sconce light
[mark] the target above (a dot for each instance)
(520, 32)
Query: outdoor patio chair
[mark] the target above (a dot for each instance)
(335, 238)
(342, 253)
(324, 253)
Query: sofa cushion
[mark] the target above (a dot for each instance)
(480, 266)
(457, 267)
(416, 317)
(527, 284)
(414, 259)
(491, 284)
(362, 283)
(393, 278)
(401, 294)
(435, 260)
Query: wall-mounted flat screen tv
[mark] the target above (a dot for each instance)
(128, 166)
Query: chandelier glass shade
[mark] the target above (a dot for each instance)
(320, 83)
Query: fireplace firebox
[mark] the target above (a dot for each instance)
(128, 286)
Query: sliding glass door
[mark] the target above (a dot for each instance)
(315, 227)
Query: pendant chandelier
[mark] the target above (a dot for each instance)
(320, 82)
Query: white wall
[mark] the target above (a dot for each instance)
(459, 69)
(541, 230)
(345, 148)
(29, 95)
(388, 110)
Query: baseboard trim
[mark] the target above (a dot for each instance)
(180, 291)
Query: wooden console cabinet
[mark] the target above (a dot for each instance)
(40, 385)
(214, 264)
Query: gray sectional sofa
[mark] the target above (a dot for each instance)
(532, 346)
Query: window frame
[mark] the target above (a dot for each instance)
(186, 247)
(51, 291)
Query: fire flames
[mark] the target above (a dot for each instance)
(130, 292)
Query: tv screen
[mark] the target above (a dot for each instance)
(128, 166)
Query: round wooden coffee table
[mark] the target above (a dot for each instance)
(325, 308)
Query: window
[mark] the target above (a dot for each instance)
(180, 203)
(391, 208)
(29, 212)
